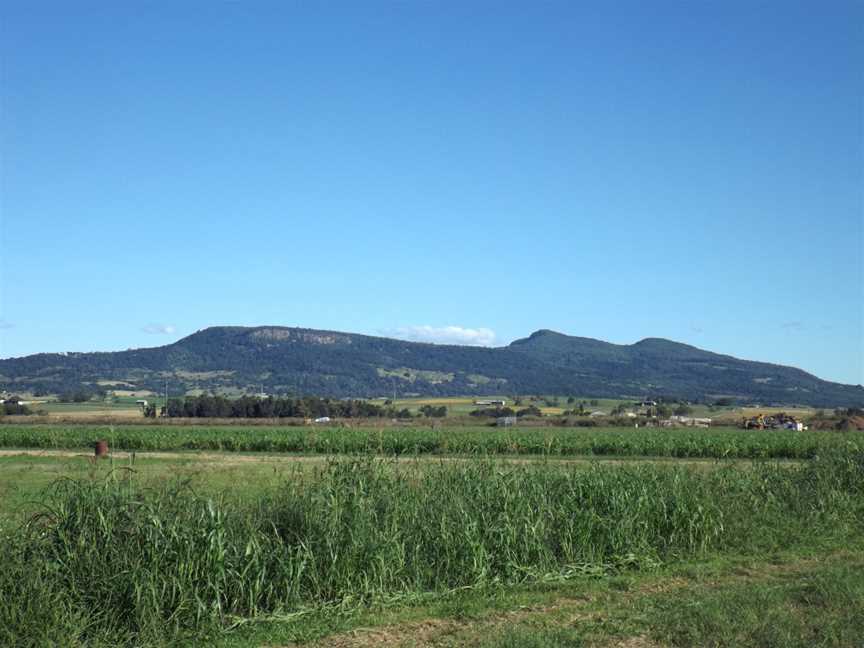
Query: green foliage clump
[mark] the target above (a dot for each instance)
(75, 396)
(431, 411)
(492, 412)
(531, 410)
(14, 409)
(211, 406)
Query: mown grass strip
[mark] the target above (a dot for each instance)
(817, 605)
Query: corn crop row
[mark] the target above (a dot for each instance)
(683, 443)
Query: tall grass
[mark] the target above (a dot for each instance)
(111, 562)
(660, 442)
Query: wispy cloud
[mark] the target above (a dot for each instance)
(445, 335)
(695, 328)
(6, 325)
(159, 329)
(796, 325)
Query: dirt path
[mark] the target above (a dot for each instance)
(220, 457)
(229, 457)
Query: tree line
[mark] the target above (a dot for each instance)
(209, 406)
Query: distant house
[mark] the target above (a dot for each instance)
(498, 403)
(598, 413)
(322, 419)
(648, 403)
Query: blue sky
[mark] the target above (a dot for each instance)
(612, 170)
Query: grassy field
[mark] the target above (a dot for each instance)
(124, 407)
(25, 474)
(472, 552)
(86, 410)
(400, 536)
(550, 441)
(24, 478)
(794, 604)
(464, 405)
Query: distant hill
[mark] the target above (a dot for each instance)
(330, 363)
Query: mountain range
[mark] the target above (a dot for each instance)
(300, 361)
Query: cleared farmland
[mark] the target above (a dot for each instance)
(650, 442)
(107, 562)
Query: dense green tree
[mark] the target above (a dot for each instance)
(493, 412)
(75, 396)
(211, 406)
(15, 409)
(431, 411)
(531, 410)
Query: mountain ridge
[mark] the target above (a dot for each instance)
(235, 359)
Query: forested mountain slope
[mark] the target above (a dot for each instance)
(329, 363)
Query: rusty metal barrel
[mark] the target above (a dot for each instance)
(101, 448)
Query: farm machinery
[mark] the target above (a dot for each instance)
(779, 421)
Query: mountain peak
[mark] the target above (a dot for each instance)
(330, 363)
(544, 333)
(662, 345)
(656, 341)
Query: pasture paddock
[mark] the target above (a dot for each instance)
(24, 474)
(122, 406)
(456, 539)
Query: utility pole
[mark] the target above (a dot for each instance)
(166, 398)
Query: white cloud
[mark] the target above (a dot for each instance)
(6, 325)
(792, 325)
(159, 329)
(446, 335)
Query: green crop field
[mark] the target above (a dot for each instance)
(654, 442)
(451, 536)
(106, 560)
